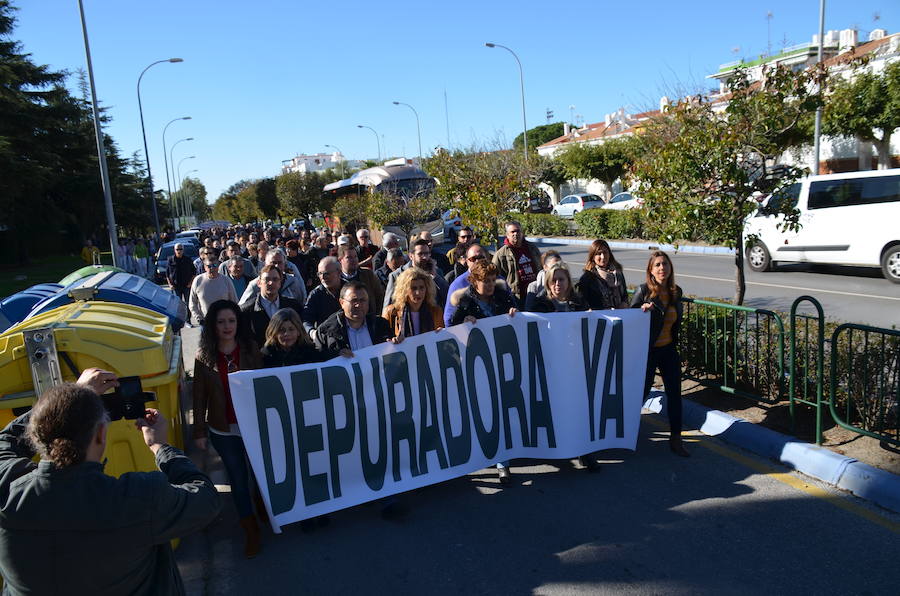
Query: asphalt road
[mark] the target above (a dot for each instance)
(848, 294)
(723, 521)
(647, 523)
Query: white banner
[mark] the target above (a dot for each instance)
(323, 437)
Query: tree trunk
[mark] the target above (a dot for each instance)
(884, 151)
(740, 285)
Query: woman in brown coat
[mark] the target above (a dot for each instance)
(225, 347)
(414, 310)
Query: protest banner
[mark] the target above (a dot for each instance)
(323, 437)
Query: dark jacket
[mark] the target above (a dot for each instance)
(180, 271)
(382, 273)
(379, 258)
(258, 318)
(209, 394)
(331, 336)
(543, 303)
(467, 304)
(320, 304)
(78, 531)
(657, 313)
(299, 354)
(598, 295)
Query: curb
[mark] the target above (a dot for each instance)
(705, 250)
(864, 481)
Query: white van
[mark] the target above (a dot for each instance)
(846, 219)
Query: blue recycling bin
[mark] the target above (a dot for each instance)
(16, 307)
(122, 288)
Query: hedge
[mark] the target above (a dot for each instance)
(610, 223)
(542, 224)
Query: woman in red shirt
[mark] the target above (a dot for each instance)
(225, 347)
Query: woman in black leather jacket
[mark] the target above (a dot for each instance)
(602, 285)
(662, 298)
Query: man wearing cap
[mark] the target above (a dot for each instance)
(180, 274)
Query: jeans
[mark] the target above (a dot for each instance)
(234, 457)
(667, 360)
(184, 292)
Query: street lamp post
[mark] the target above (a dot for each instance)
(377, 140)
(180, 189)
(418, 129)
(144, 135)
(101, 149)
(166, 153)
(341, 162)
(190, 204)
(817, 133)
(172, 158)
(522, 86)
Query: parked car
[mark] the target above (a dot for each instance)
(190, 235)
(624, 200)
(572, 204)
(452, 224)
(845, 219)
(167, 250)
(299, 223)
(538, 203)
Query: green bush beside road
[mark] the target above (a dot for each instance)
(542, 224)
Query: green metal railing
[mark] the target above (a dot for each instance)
(808, 375)
(854, 376)
(865, 380)
(736, 349)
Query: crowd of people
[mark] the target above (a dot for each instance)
(267, 299)
(284, 300)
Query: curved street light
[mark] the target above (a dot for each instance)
(377, 140)
(144, 135)
(180, 189)
(341, 162)
(418, 129)
(189, 205)
(522, 86)
(166, 150)
(172, 159)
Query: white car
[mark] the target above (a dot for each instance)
(577, 203)
(845, 219)
(452, 224)
(624, 200)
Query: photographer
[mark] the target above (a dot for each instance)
(66, 527)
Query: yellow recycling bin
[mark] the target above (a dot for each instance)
(128, 340)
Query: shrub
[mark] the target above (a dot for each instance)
(593, 223)
(541, 224)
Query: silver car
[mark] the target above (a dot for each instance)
(576, 203)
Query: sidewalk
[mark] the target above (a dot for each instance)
(640, 245)
(860, 479)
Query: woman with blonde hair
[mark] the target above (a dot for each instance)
(661, 297)
(414, 309)
(287, 342)
(559, 294)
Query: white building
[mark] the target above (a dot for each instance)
(318, 162)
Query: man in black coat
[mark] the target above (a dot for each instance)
(352, 328)
(269, 301)
(180, 273)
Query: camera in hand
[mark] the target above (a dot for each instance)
(129, 399)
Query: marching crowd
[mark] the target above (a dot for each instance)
(267, 298)
(273, 299)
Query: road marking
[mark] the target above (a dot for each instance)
(791, 480)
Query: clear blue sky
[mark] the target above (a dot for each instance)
(268, 79)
